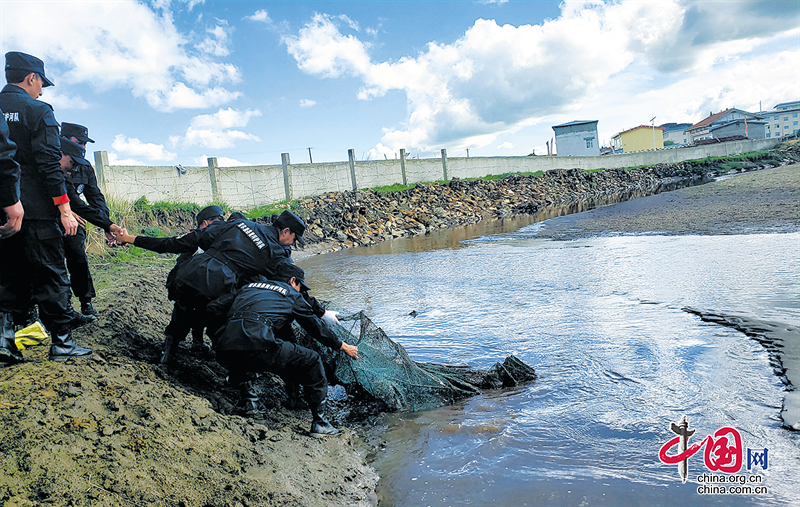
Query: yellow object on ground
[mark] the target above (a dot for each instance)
(31, 335)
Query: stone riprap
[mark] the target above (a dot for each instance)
(354, 218)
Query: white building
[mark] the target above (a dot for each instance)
(577, 139)
(783, 120)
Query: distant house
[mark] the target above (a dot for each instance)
(577, 139)
(753, 129)
(704, 129)
(675, 134)
(638, 138)
(782, 121)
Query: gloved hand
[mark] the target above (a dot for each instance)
(331, 318)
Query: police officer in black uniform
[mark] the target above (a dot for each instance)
(32, 261)
(249, 341)
(11, 220)
(83, 181)
(185, 245)
(73, 157)
(233, 252)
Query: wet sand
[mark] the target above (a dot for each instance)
(754, 202)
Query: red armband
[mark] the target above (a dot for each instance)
(60, 200)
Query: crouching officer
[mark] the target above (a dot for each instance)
(187, 246)
(247, 342)
(233, 252)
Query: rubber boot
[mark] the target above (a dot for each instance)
(250, 403)
(199, 346)
(294, 400)
(9, 353)
(87, 308)
(63, 347)
(168, 351)
(320, 426)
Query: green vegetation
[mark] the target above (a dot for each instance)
(495, 177)
(397, 187)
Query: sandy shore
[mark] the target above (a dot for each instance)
(754, 202)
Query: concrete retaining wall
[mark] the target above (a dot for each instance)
(251, 186)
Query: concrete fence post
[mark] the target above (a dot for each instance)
(287, 178)
(100, 166)
(444, 163)
(351, 154)
(212, 176)
(403, 165)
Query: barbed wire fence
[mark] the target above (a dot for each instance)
(248, 187)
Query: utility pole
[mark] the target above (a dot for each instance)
(310, 161)
(467, 152)
(653, 122)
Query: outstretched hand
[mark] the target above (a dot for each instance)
(121, 235)
(350, 350)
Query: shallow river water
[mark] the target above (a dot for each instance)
(600, 320)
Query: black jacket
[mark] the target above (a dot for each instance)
(94, 215)
(33, 127)
(185, 245)
(84, 182)
(9, 169)
(233, 252)
(261, 308)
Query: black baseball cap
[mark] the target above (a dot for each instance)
(208, 213)
(79, 132)
(74, 150)
(293, 222)
(18, 63)
(286, 270)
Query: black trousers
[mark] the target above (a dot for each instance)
(293, 363)
(186, 317)
(78, 265)
(32, 270)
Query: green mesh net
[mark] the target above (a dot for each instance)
(384, 371)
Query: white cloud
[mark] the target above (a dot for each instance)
(381, 152)
(133, 147)
(61, 101)
(213, 139)
(307, 103)
(221, 162)
(352, 24)
(224, 119)
(114, 159)
(127, 44)
(500, 79)
(321, 49)
(261, 16)
(216, 131)
(505, 146)
(216, 45)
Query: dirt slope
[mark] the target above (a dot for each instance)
(119, 430)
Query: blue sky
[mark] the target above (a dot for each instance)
(174, 82)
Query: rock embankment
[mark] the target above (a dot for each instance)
(339, 220)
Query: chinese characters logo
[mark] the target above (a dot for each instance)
(723, 450)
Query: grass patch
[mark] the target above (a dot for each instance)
(397, 187)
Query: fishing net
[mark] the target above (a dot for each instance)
(384, 371)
